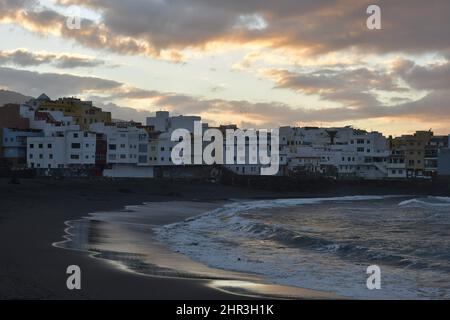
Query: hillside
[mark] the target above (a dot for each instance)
(12, 97)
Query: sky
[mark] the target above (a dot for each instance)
(258, 64)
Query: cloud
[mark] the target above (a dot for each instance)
(352, 87)
(25, 58)
(429, 77)
(433, 107)
(165, 28)
(54, 84)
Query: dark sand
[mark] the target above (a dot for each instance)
(32, 216)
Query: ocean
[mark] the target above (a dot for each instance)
(323, 244)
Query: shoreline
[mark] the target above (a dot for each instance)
(32, 216)
(169, 264)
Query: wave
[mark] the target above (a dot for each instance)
(427, 202)
(239, 237)
(293, 239)
(231, 221)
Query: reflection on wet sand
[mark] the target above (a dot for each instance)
(128, 244)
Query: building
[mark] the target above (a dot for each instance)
(444, 160)
(127, 149)
(83, 113)
(432, 149)
(397, 163)
(343, 152)
(10, 118)
(73, 149)
(161, 144)
(14, 146)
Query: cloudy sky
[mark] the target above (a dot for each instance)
(254, 63)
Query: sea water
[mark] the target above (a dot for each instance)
(327, 243)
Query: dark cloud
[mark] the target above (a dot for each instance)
(54, 84)
(353, 87)
(319, 26)
(434, 106)
(25, 58)
(428, 77)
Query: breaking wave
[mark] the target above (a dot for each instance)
(428, 201)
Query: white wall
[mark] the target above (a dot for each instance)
(128, 171)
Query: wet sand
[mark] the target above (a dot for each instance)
(32, 217)
(126, 239)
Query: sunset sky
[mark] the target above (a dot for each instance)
(250, 62)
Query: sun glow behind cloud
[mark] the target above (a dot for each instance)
(251, 63)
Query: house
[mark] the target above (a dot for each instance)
(444, 160)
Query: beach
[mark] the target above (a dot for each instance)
(33, 216)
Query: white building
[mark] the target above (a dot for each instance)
(71, 149)
(161, 145)
(127, 149)
(346, 152)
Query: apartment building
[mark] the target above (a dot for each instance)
(413, 147)
(66, 150)
(343, 152)
(14, 146)
(444, 160)
(432, 148)
(161, 145)
(83, 113)
(10, 119)
(127, 149)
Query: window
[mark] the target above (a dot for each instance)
(112, 147)
(142, 159)
(74, 157)
(31, 146)
(76, 145)
(123, 156)
(41, 146)
(143, 148)
(50, 156)
(122, 146)
(75, 135)
(31, 156)
(49, 146)
(41, 156)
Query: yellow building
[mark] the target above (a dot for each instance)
(413, 148)
(83, 112)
